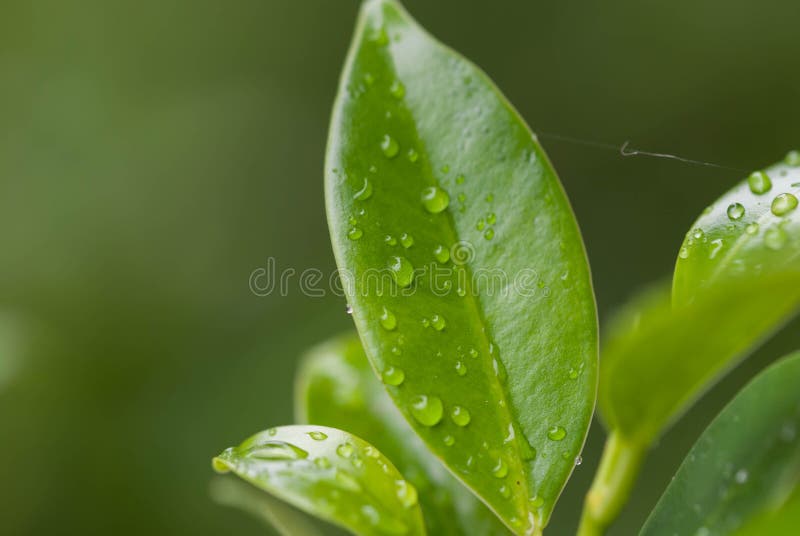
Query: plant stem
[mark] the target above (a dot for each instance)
(612, 485)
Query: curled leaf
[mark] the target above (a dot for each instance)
(329, 474)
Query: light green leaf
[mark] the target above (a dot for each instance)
(459, 251)
(329, 474)
(336, 387)
(658, 358)
(745, 468)
(752, 229)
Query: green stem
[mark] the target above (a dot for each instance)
(612, 485)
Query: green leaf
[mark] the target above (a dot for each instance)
(459, 252)
(753, 228)
(336, 387)
(745, 468)
(329, 474)
(659, 358)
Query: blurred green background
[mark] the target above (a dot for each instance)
(154, 153)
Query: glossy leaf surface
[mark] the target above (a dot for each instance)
(658, 359)
(463, 264)
(330, 474)
(336, 387)
(752, 229)
(744, 471)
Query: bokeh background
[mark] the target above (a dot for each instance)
(153, 153)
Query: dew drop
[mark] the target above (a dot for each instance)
(442, 254)
(500, 469)
(752, 228)
(434, 199)
(402, 271)
(793, 158)
(389, 146)
(438, 322)
(397, 89)
(698, 234)
(355, 233)
(388, 320)
(684, 253)
(412, 155)
(427, 409)
(775, 238)
(390, 240)
(573, 373)
(499, 369)
(556, 433)
(473, 353)
(505, 491)
(489, 234)
(460, 179)
(277, 450)
(316, 435)
(536, 501)
(735, 211)
(272, 431)
(322, 462)
(491, 218)
(759, 182)
(365, 192)
(393, 376)
(449, 440)
(460, 416)
(461, 368)
(481, 223)
(348, 309)
(406, 240)
(783, 204)
(345, 450)
(406, 493)
(578, 460)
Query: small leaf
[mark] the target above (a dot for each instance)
(752, 229)
(330, 474)
(336, 387)
(658, 359)
(464, 265)
(745, 468)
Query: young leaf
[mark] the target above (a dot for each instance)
(745, 468)
(336, 387)
(458, 250)
(659, 358)
(329, 474)
(753, 228)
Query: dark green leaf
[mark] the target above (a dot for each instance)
(745, 468)
(463, 263)
(752, 229)
(336, 387)
(330, 474)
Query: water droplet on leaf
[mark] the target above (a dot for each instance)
(556, 433)
(393, 376)
(735, 211)
(389, 146)
(388, 320)
(402, 271)
(316, 435)
(759, 182)
(427, 409)
(434, 199)
(460, 416)
(783, 204)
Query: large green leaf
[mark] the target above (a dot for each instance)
(330, 474)
(336, 387)
(745, 468)
(463, 264)
(753, 228)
